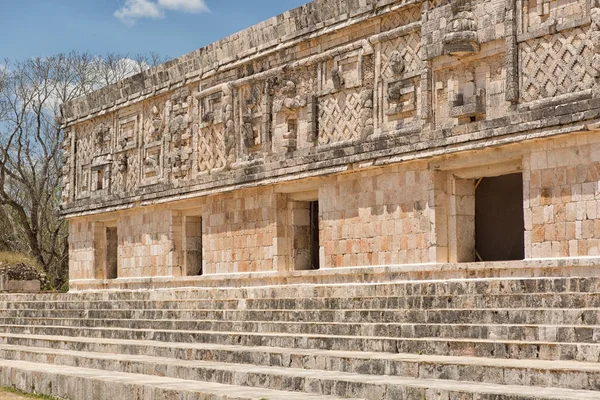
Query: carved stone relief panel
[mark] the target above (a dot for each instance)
(125, 168)
(401, 69)
(128, 132)
(469, 91)
(595, 42)
(555, 65)
(103, 138)
(340, 116)
(345, 105)
(293, 120)
(211, 138)
(461, 32)
(342, 72)
(101, 177)
(153, 146)
(93, 142)
(126, 171)
(179, 135)
(541, 17)
(254, 119)
(68, 166)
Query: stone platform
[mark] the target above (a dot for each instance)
(465, 338)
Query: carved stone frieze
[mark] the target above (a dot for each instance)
(211, 141)
(337, 79)
(229, 122)
(123, 163)
(289, 102)
(102, 138)
(470, 107)
(153, 147)
(254, 124)
(556, 65)
(405, 77)
(595, 39)
(401, 56)
(127, 133)
(366, 117)
(402, 97)
(401, 70)
(340, 117)
(155, 126)
(461, 34)
(179, 135)
(537, 18)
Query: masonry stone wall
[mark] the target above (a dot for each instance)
(388, 113)
(240, 231)
(377, 217)
(563, 215)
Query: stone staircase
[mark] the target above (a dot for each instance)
(475, 339)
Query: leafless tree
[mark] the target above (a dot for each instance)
(31, 93)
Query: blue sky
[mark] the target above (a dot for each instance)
(31, 28)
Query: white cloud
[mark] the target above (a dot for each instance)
(191, 6)
(133, 10)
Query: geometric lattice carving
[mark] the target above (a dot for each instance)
(211, 149)
(555, 65)
(400, 18)
(340, 117)
(409, 47)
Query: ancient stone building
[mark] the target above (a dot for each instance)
(390, 144)
(341, 134)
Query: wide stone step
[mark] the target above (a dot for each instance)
(515, 349)
(385, 288)
(83, 383)
(101, 354)
(486, 316)
(548, 333)
(467, 301)
(318, 382)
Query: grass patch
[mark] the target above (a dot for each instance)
(26, 395)
(7, 257)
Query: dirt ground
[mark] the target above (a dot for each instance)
(12, 396)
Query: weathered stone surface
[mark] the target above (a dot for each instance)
(356, 137)
(370, 108)
(506, 338)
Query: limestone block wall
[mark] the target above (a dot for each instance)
(239, 231)
(145, 242)
(563, 203)
(377, 217)
(81, 249)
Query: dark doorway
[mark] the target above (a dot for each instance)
(112, 247)
(193, 246)
(499, 222)
(314, 234)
